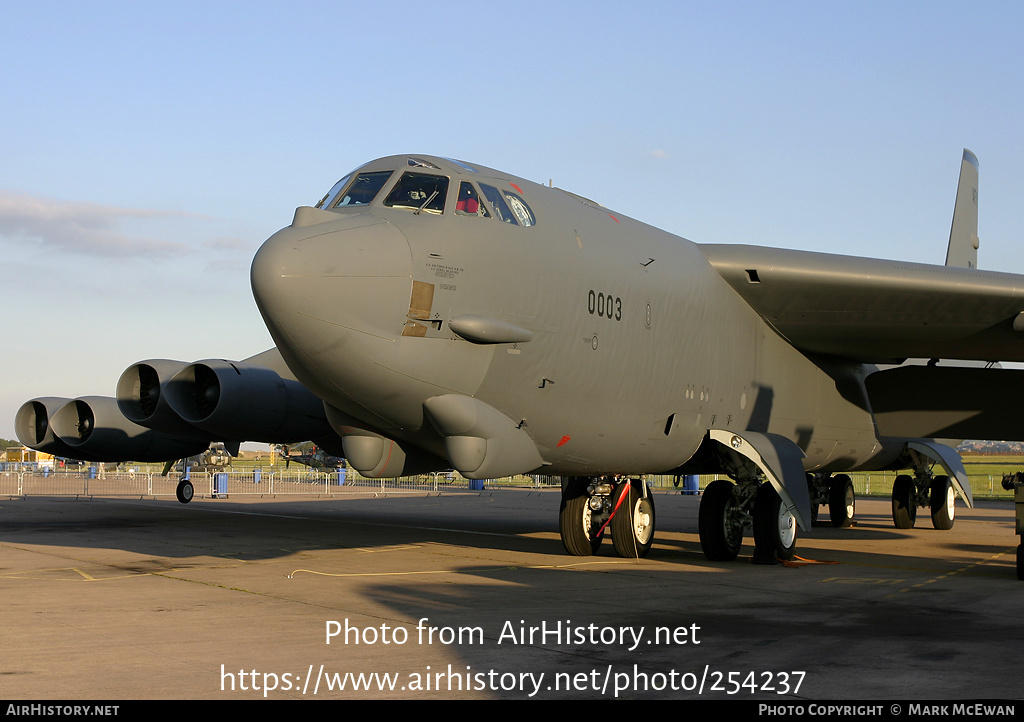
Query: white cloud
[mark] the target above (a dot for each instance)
(81, 227)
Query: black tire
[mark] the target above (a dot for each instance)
(943, 502)
(904, 505)
(720, 535)
(633, 523)
(185, 491)
(1020, 562)
(775, 527)
(574, 520)
(842, 500)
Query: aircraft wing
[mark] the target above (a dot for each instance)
(877, 311)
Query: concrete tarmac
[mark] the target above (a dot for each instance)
(438, 596)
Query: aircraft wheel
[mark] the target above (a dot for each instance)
(904, 506)
(721, 529)
(842, 500)
(774, 527)
(575, 522)
(943, 498)
(185, 491)
(633, 523)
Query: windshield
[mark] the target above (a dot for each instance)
(359, 192)
(419, 191)
(333, 192)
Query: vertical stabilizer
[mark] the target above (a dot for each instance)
(963, 235)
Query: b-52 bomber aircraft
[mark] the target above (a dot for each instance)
(433, 314)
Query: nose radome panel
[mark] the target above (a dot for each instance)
(353, 275)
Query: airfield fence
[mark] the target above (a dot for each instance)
(26, 480)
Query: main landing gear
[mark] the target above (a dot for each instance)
(727, 509)
(836, 491)
(910, 492)
(1015, 482)
(593, 506)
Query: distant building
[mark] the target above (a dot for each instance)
(23, 454)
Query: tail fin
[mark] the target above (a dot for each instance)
(962, 251)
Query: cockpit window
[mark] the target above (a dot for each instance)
(462, 164)
(522, 211)
(420, 163)
(333, 192)
(501, 209)
(361, 192)
(419, 191)
(508, 206)
(469, 202)
(364, 189)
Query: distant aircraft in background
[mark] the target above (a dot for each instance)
(314, 458)
(431, 313)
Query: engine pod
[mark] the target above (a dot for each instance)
(142, 397)
(95, 426)
(245, 402)
(33, 428)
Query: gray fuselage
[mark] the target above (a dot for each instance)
(613, 346)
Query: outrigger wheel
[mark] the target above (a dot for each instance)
(185, 491)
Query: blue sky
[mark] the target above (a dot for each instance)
(147, 149)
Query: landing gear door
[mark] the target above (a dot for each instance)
(781, 461)
(950, 461)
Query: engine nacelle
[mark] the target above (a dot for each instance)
(34, 430)
(245, 402)
(94, 426)
(141, 397)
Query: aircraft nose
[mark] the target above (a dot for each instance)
(321, 285)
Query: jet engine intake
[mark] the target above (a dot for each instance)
(34, 430)
(142, 397)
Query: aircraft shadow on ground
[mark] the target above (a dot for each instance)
(277, 529)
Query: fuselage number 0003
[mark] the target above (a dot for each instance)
(605, 305)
